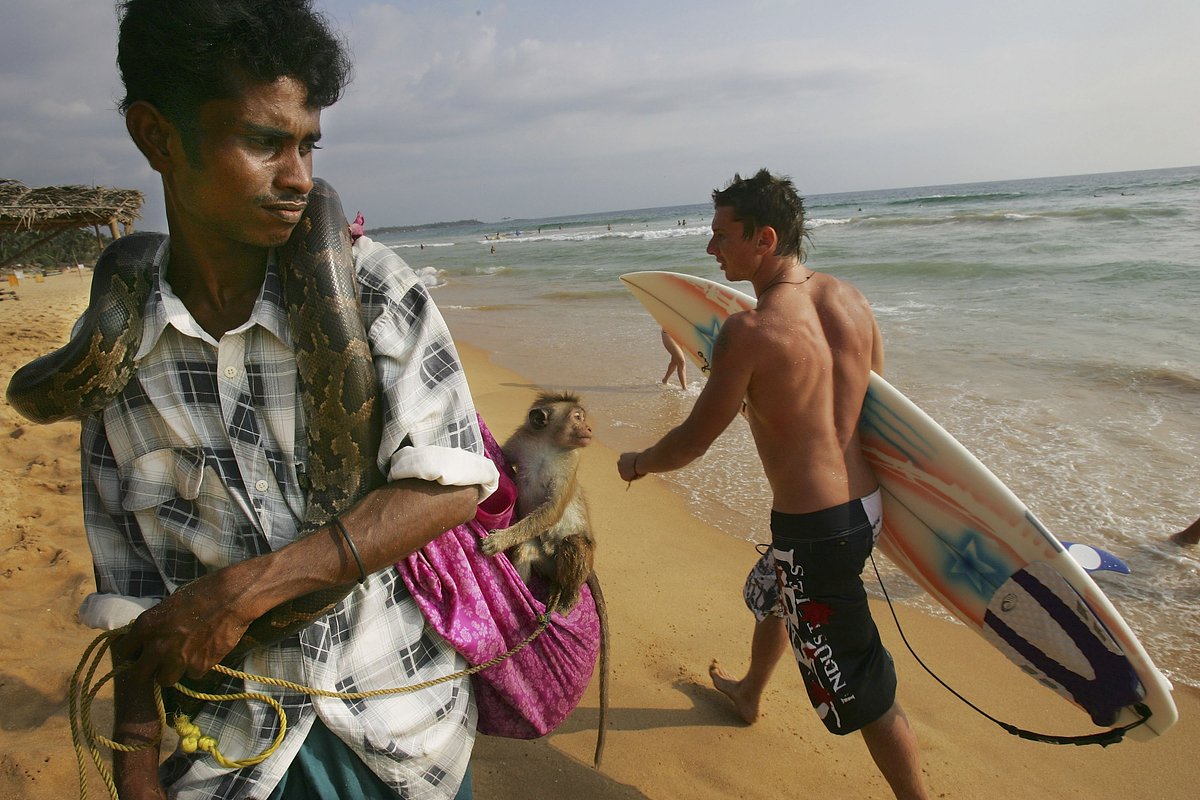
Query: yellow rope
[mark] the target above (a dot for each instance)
(87, 741)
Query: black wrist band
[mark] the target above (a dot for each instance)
(362, 571)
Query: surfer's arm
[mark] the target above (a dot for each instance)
(718, 404)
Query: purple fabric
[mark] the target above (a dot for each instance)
(482, 608)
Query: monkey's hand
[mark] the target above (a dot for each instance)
(495, 542)
(507, 538)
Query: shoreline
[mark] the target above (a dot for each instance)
(673, 585)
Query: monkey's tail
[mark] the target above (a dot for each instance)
(602, 612)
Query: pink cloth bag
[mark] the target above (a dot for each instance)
(482, 608)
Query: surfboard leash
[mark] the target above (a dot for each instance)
(1103, 738)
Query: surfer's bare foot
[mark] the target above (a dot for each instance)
(736, 691)
(1189, 536)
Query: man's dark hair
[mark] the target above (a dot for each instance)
(179, 54)
(767, 200)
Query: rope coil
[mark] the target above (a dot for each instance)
(88, 742)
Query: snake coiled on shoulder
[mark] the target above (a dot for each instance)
(333, 360)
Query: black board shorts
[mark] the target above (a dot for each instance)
(819, 558)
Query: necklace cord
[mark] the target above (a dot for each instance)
(779, 281)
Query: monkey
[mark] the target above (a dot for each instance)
(553, 536)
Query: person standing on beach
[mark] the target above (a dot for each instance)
(194, 485)
(802, 361)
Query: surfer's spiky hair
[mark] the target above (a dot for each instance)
(767, 200)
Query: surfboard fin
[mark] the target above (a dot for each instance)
(1094, 559)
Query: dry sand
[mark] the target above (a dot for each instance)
(674, 590)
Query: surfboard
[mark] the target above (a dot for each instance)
(965, 537)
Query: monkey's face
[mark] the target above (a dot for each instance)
(576, 432)
(565, 423)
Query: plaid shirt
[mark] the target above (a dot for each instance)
(200, 464)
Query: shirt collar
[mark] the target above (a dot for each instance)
(164, 308)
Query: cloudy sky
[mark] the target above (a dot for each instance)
(536, 108)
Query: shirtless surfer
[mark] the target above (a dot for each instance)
(802, 360)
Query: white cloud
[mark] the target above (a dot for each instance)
(536, 108)
(73, 110)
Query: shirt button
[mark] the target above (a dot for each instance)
(231, 372)
(261, 486)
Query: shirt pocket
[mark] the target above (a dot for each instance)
(161, 476)
(165, 491)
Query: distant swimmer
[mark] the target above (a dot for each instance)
(493, 249)
(1189, 535)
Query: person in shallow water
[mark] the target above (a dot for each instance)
(678, 365)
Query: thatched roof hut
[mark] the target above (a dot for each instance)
(55, 208)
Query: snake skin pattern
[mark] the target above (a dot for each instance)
(333, 359)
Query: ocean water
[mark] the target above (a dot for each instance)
(1049, 324)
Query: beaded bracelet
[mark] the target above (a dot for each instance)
(362, 571)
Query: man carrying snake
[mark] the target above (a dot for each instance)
(195, 475)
